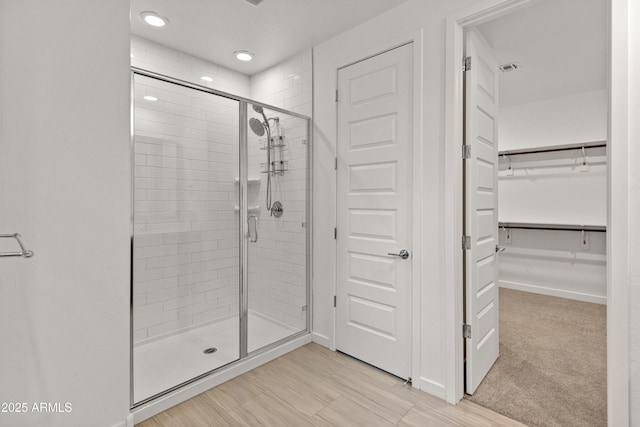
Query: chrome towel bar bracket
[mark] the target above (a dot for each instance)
(26, 253)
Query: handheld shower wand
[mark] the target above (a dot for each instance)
(259, 128)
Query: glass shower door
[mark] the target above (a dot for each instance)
(186, 251)
(277, 203)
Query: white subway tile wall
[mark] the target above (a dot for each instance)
(186, 228)
(287, 85)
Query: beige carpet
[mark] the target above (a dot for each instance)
(552, 365)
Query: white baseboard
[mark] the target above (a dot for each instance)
(128, 422)
(431, 387)
(553, 292)
(187, 392)
(320, 339)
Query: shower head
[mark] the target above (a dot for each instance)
(258, 109)
(256, 126)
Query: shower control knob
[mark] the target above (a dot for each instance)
(404, 254)
(277, 209)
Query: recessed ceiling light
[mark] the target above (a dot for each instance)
(206, 79)
(153, 19)
(243, 55)
(150, 98)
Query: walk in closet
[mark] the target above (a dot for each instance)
(552, 215)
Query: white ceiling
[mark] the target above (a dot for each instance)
(274, 30)
(560, 46)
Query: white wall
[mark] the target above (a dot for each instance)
(580, 117)
(554, 263)
(634, 208)
(65, 186)
(553, 188)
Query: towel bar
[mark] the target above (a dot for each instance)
(23, 253)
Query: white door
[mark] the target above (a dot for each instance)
(481, 210)
(374, 182)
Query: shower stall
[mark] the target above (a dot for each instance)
(221, 231)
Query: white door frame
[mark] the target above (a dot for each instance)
(414, 37)
(617, 218)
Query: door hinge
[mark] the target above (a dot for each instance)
(466, 63)
(335, 301)
(466, 152)
(335, 163)
(466, 331)
(466, 242)
(336, 95)
(335, 233)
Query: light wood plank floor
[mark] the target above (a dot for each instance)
(313, 386)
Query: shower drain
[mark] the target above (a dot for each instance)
(210, 350)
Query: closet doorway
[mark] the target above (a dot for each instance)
(535, 201)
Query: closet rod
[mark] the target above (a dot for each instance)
(569, 227)
(577, 146)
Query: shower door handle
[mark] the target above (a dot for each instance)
(253, 228)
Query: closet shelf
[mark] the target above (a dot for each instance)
(541, 226)
(552, 148)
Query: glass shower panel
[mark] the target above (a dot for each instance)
(277, 209)
(186, 290)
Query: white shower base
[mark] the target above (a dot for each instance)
(167, 362)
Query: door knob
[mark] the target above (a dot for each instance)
(499, 249)
(404, 254)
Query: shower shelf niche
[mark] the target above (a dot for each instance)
(255, 208)
(250, 180)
